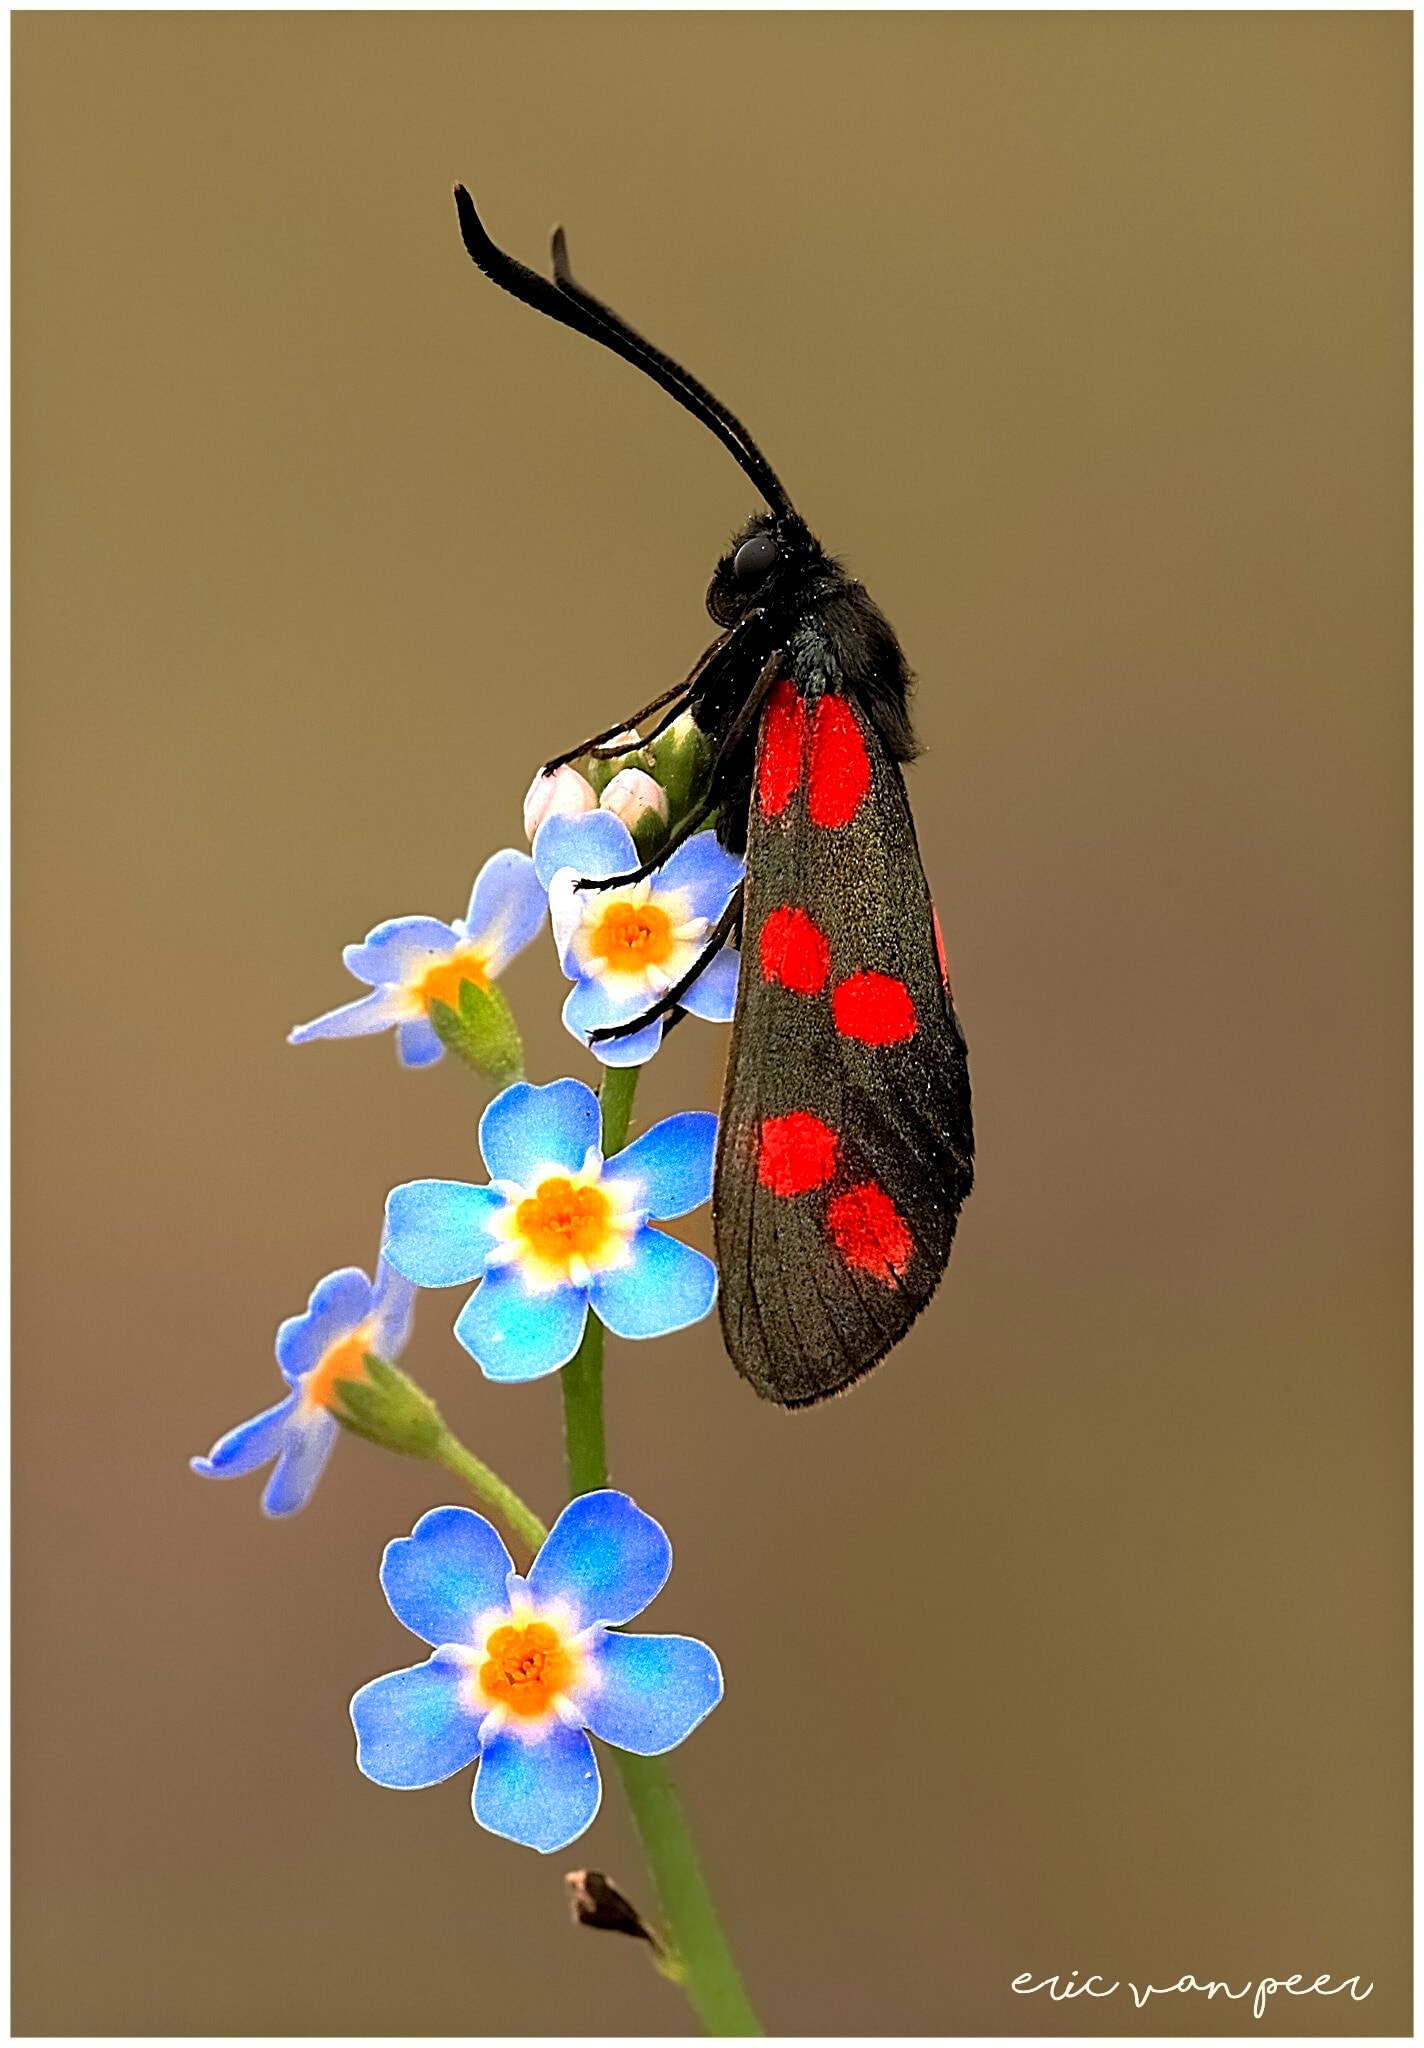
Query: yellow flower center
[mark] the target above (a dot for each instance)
(442, 983)
(631, 936)
(525, 1667)
(560, 1221)
(346, 1360)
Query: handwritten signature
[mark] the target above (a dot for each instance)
(1060, 1988)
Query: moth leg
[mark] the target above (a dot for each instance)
(602, 753)
(695, 817)
(601, 738)
(736, 732)
(681, 689)
(606, 751)
(716, 939)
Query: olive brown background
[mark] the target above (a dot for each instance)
(1076, 1637)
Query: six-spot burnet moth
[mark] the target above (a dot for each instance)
(846, 1143)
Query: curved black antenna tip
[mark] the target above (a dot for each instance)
(559, 256)
(470, 222)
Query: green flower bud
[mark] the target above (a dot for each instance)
(601, 773)
(388, 1409)
(482, 1032)
(680, 759)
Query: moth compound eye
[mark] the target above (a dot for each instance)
(754, 557)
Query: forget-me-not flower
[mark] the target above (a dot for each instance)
(559, 1230)
(412, 962)
(526, 1668)
(623, 948)
(345, 1318)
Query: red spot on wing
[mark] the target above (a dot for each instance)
(939, 948)
(794, 951)
(840, 766)
(875, 1008)
(870, 1232)
(783, 739)
(796, 1153)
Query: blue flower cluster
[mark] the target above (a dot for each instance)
(525, 1669)
(622, 948)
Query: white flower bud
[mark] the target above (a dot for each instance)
(631, 795)
(564, 794)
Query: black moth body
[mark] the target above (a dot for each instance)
(845, 1147)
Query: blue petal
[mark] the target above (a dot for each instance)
(339, 1303)
(418, 1043)
(543, 1791)
(437, 1231)
(303, 1460)
(507, 907)
(401, 948)
(713, 995)
(392, 1308)
(669, 1169)
(251, 1444)
(705, 870)
(648, 1693)
(448, 1571)
(667, 1286)
(593, 1002)
(634, 1049)
(568, 907)
(513, 1334)
(414, 1727)
(594, 842)
(368, 1014)
(604, 1559)
(527, 1129)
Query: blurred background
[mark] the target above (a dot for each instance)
(1075, 1638)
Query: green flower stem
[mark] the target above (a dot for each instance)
(620, 1085)
(491, 1489)
(699, 1958)
(582, 1378)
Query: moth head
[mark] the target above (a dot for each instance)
(769, 554)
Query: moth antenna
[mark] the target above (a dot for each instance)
(565, 301)
(710, 406)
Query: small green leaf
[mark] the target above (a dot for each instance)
(482, 1032)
